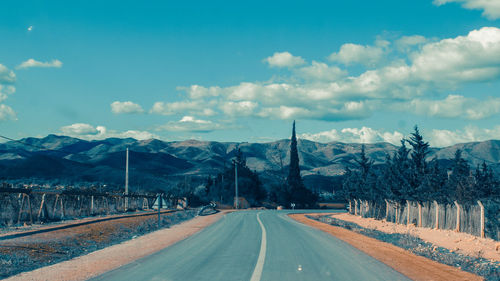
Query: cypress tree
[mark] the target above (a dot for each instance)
(294, 179)
(297, 191)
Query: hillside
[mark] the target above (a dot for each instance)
(157, 164)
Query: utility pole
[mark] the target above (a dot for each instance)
(126, 181)
(236, 201)
(222, 185)
(160, 205)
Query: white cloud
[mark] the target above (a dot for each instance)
(284, 59)
(453, 106)
(406, 43)
(191, 124)
(442, 138)
(242, 108)
(89, 132)
(353, 53)
(471, 58)
(325, 92)
(321, 71)
(355, 135)
(491, 8)
(79, 129)
(33, 63)
(126, 107)
(7, 113)
(7, 79)
(6, 76)
(197, 107)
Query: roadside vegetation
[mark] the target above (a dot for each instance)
(409, 175)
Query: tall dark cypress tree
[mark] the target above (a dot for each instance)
(294, 180)
(297, 192)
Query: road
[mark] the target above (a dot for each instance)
(257, 245)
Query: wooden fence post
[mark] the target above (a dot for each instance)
(92, 205)
(397, 212)
(458, 216)
(62, 207)
(350, 206)
(386, 209)
(355, 207)
(482, 217)
(437, 214)
(408, 212)
(107, 205)
(419, 214)
(42, 208)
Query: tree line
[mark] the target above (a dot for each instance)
(408, 174)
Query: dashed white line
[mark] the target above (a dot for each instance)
(257, 272)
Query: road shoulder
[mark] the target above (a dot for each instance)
(101, 261)
(413, 266)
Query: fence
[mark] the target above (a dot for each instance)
(24, 206)
(469, 219)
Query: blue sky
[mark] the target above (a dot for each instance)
(346, 71)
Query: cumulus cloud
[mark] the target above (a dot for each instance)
(436, 137)
(7, 79)
(491, 8)
(7, 113)
(353, 53)
(33, 63)
(191, 124)
(442, 138)
(198, 107)
(471, 58)
(241, 108)
(355, 135)
(79, 129)
(89, 132)
(284, 59)
(453, 106)
(6, 76)
(125, 107)
(321, 71)
(326, 92)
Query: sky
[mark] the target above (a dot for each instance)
(349, 71)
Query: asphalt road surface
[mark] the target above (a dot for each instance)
(257, 245)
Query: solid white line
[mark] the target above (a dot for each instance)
(257, 272)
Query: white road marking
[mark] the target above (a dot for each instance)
(257, 272)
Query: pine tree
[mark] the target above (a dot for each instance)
(366, 178)
(434, 183)
(484, 182)
(459, 180)
(420, 149)
(400, 167)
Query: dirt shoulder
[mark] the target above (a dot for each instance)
(100, 261)
(459, 242)
(413, 266)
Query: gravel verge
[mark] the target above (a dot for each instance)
(39, 250)
(488, 269)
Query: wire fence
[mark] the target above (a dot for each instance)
(18, 206)
(463, 218)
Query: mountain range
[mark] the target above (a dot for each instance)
(156, 164)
